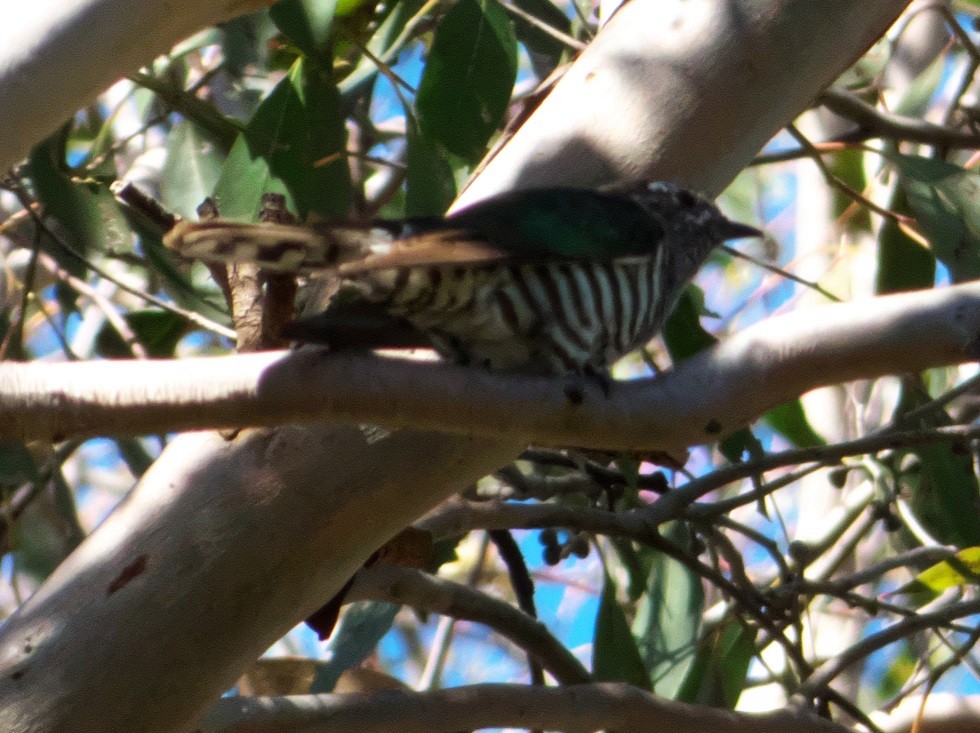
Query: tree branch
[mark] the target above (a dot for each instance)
(410, 587)
(104, 39)
(874, 122)
(573, 709)
(702, 399)
(693, 124)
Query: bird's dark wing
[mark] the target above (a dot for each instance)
(521, 226)
(430, 249)
(518, 226)
(562, 222)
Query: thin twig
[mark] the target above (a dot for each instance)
(572, 43)
(195, 318)
(781, 272)
(881, 123)
(837, 183)
(823, 676)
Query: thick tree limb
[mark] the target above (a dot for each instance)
(702, 399)
(573, 709)
(58, 54)
(220, 550)
(731, 73)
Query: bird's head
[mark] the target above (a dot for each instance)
(689, 216)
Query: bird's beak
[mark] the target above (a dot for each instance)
(737, 230)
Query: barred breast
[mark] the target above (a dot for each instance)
(547, 318)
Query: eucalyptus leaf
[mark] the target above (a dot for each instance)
(668, 619)
(469, 76)
(615, 657)
(946, 201)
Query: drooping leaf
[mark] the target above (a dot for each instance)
(86, 214)
(430, 184)
(48, 530)
(738, 444)
(308, 24)
(17, 465)
(535, 38)
(961, 570)
(245, 42)
(946, 201)
(668, 619)
(917, 97)
(944, 491)
(903, 263)
(718, 674)
(615, 657)
(203, 298)
(245, 177)
(790, 421)
(221, 128)
(157, 330)
(469, 76)
(293, 145)
(683, 333)
(388, 38)
(134, 455)
(637, 561)
(191, 170)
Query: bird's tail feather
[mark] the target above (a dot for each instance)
(280, 247)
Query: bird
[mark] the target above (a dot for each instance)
(545, 281)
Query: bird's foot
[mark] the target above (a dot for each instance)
(575, 392)
(600, 378)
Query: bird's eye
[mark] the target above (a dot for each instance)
(686, 199)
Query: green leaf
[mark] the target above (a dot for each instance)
(742, 441)
(245, 177)
(294, 129)
(308, 24)
(85, 215)
(615, 657)
(191, 170)
(204, 299)
(17, 465)
(637, 562)
(388, 39)
(918, 96)
(718, 674)
(205, 115)
(946, 201)
(903, 263)
(430, 183)
(358, 631)
(245, 42)
(158, 331)
(536, 40)
(668, 619)
(48, 530)
(790, 421)
(961, 570)
(469, 76)
(683, 333)
(944, 492)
